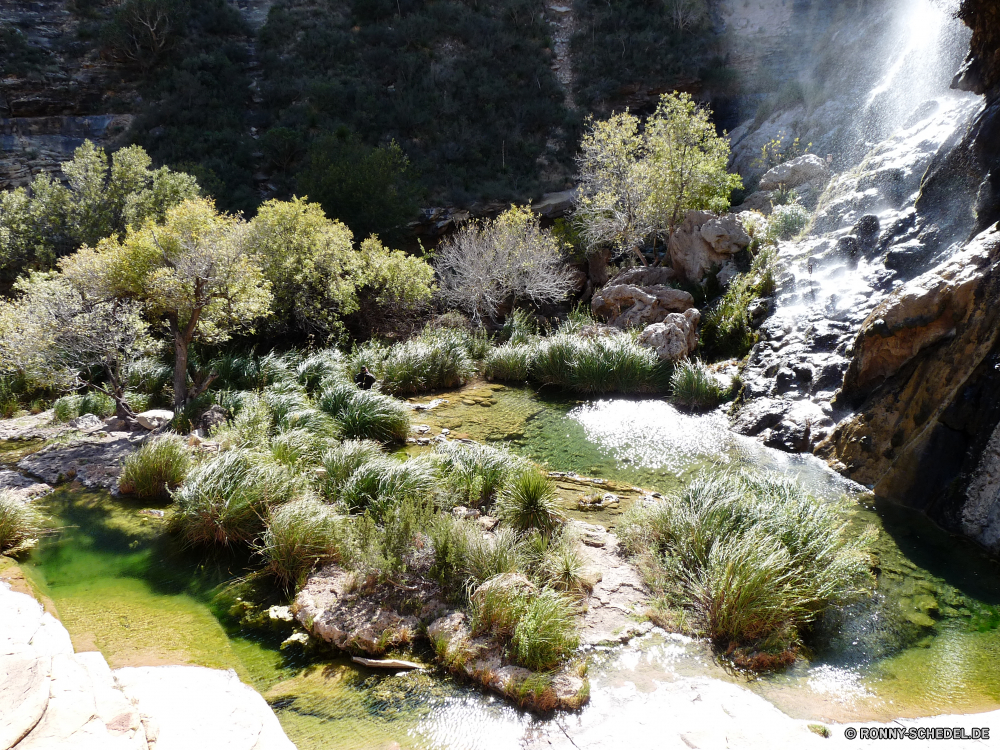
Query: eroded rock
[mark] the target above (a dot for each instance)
(793, 173)
(703, 241)
(675, 338)
(628, 306)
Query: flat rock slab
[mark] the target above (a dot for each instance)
(195, 707)
(96, 464)
(386, 663)
(24, 488)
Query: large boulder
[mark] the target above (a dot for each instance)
(154, 418)
(799, 171)
(703, 241)
(629, 306)
(644, 276)
(676, 337)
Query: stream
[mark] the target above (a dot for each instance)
(922, 645)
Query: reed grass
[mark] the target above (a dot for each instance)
(156, 469)
(300, 535)
(20, 524)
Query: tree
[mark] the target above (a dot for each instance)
(192, 272)
(55, 337)
(317, 276)
(369, 189)
(634, 184)
(50, 220)
(141, 31)
(486, 267)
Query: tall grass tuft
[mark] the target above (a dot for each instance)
(366, 415)
(695, 386)
(299, 536)
(383, 483)
(487, 557)
(340, 461)
(437, 359)
(67, 408)
(509, 363)
(477, 472)
(752, 557)
(20, 524)
(225, 500)
(545, 633)
(529, 502)
(157, 468)
(726, 331)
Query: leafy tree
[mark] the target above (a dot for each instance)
(54, 336)
(49, 220)
(369, 189)
(318, 277)
(636, 184)
(486, 267)
(192, 272)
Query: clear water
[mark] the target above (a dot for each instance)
(926, 644)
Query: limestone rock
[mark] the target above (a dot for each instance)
(675, 338)
(87, 423)
(790, 174)
(154, 418)
(626, 305)
(513, 583)
(94, 463)
(21, 486)
(705, 240)
(644, 276)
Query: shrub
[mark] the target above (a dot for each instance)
(381, 546)
(97, 403)
(726, 330)
(435, 360)
(155, 469)
(528, 502)
(487, 557)
(498, 604)
(366, 415)
(342, 460)
(752, 556)
(477, 471)
(20, 524)
(67, 408)
(545, 633)
(324, 366)
(223, 501)
(614, 364)
(693, 385)
(786, 221)
(451, 538)
(383, 483)
(300, 535)
(509, 363)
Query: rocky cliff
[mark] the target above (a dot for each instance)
(924, 371)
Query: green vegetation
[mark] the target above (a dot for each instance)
(529, 502)
(751, 559)
(365, 415)
(477, 472)
(437, 359)
(695, 386)
(20, 524)
(300, 535)
(156, 469)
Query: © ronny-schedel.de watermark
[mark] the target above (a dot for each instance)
(917, 733)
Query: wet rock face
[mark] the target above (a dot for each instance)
(923, 373)
(981, 71)
(793, 173)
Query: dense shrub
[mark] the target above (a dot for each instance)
(435, 360)
(157, 468)
(381, 484)
(224, 501)
(300, 535)
(752, 557)
(509, 363)
(20, 524)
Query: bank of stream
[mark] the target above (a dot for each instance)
(923, 645)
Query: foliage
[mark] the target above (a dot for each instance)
(299, 535)
(486, 267)
(545, 633)
(224, 500)
(342, 460)
(726, 331)
(786, 221)
(529, 502)
(477, 472)
(608, 364)
(47, 220)
(637, 182)
(487, 557)
(695, 386)
(20, 524)
(192, 272)
(752, 556)
(382, 484)
(779, 150)
(464, 88)
(156, 469)
(437, 359)
(509, 363)
(365, 415)
(369, 189)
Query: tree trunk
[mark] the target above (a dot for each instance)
(180, 371)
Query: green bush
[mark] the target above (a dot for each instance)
(694, 386)
(324, 366)
(607, 364)
(383, 483)
(726, 330)
(20, 524)
(752, 557)
(299, 536)
(529, 502)
(545, 634)
(435, 360)
(487, 557)
(224, 500)
(157, 468)
(340, 461)
(477, 472)
(509, 363)
(786, 221)
(97, 403)
(366, 415)
(67, 408)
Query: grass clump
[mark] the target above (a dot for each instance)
(727, 331)
(786, 222)
(509, 363)
(529, 502)
(477, 472)
(365, 415)
(224, 501)
(545, 634)
(157, 468)
(300, 535)
(342, 460)
(752, 558)
(695, 386)
(66, 408)
(383, 483)
(437, 359)
(20, 524)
